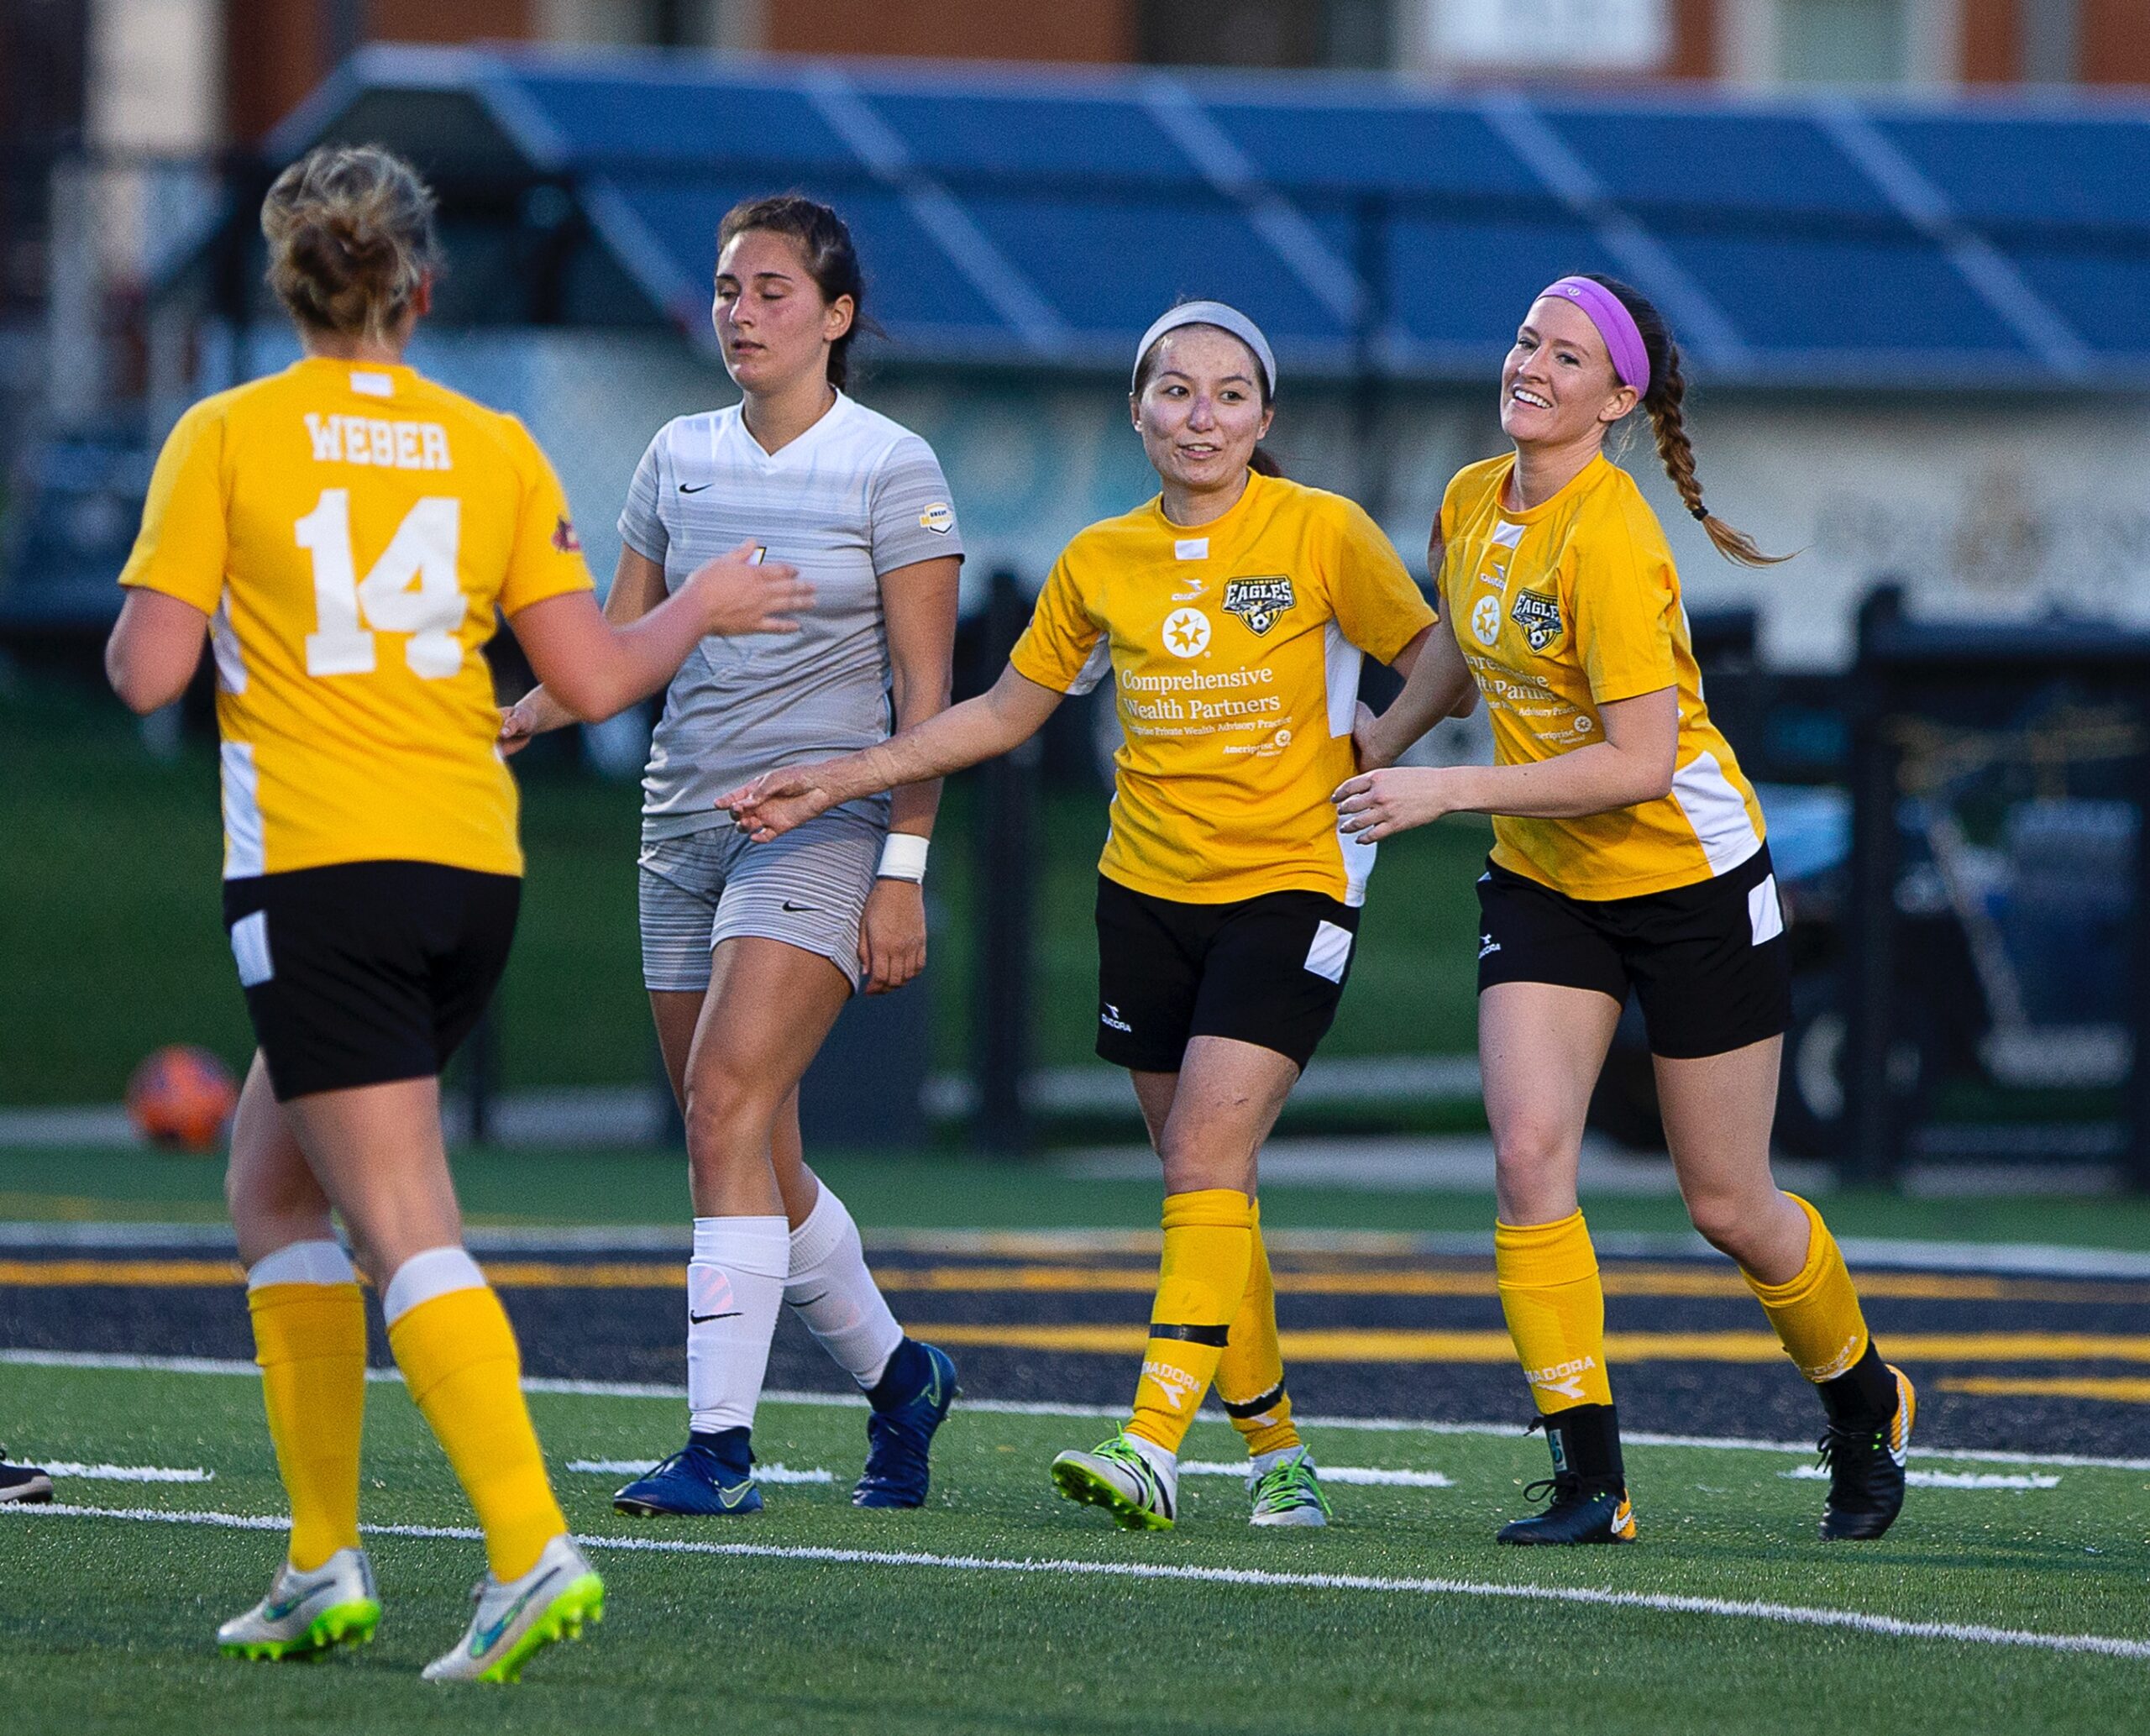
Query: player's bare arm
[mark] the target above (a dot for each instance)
(154, 649)
(918, 606)
(1009, 714)
(595, 670)
(1437, 684)
(1633, 763)
(637, 587)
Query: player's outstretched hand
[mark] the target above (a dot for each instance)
(737, 595)
(1366, 741)
(777, 801)
(515, 730)
(1376, 805)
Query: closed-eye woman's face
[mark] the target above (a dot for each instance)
(1557, 384)
(1200, 412)
(770, 319)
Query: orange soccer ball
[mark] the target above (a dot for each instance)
(182, 1098)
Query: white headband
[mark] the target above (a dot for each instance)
(1210, 313)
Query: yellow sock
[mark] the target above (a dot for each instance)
(459, 1358)
(1209, 1246)
(1818, 1313)
(1556, 1310)
(310, 1340)
(1250, 1372)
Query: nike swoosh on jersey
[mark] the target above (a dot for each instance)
(696, 489)
(793, 909)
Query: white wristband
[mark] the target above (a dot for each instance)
(903, 857)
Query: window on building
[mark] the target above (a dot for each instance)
(1843, 41)
(1267, 32)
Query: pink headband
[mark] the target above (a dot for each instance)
(1624, 337)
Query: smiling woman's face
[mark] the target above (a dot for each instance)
(1200, 412)
(1557, 384)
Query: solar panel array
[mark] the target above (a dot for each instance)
(1049, 214)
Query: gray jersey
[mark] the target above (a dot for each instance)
(854, 498)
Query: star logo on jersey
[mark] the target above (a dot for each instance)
(563, 536)
(1187, 632)
(1538, 613)
(1486, 620)
(1258, 601)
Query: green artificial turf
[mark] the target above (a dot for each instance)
(941, 1190)
(109, 882)
(106, 1622)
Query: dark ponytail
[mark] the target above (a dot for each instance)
(824, 247)
(1662, 403)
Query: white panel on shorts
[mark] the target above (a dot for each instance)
(1717, 812)
(1331, 950)
(243, 854)
(250, 950)
(1765, 911)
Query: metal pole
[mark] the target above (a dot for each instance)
(1868, 969)
(1004, 850)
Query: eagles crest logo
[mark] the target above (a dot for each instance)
(1258, 601)
(1538, 614)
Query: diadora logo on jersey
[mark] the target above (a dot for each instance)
(1258, 601)
(1187, 632)
(1538, 613)
(939, 518)
(1486, 620)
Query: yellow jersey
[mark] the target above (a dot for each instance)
(1234, 647)
(350, 529)
(1568, 607)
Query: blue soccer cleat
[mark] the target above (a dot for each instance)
(899, 1431)
(709, 1477)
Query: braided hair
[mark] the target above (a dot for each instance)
(1662, 403)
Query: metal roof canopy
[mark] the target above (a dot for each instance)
(1025, 216)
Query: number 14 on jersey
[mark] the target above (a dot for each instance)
(411, 589)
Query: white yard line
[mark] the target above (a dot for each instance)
(1373, 1473)
(636, 1467)
(1027, 1408)
(127, 1473)
(1738, 1609)
(1942, 1479)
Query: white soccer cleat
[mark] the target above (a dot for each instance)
(1140, 1489)
(1285, 1490)
(516, 1620)
(334, 1605)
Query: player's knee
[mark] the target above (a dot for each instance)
(1725, 1221)
(724, 1110)
(1529, 1147)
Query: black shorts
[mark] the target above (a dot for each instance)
(366, 971)
(1267, 971)
(1708, 962)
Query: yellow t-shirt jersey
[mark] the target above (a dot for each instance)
(1561, 610)
(351, 530)
(1234, 647)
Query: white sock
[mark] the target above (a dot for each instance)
(835, 1295)
(735, 1283)
(1162, 1460)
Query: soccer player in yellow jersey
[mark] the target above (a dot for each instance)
(1628, 852)
(1232, 611)
(342, 533)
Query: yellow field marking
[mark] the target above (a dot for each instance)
(1625, 1281)
(1352, 1343)
(2121, 1390)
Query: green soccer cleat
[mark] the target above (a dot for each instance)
(1286, 1491)
(304, 1614)
(516, 1620)
(1115, 1475)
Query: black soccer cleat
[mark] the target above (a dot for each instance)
(1589, 1484)
(1579, 1512)
(27, 1484)
(1865, 1460)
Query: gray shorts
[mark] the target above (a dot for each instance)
(807, 889)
